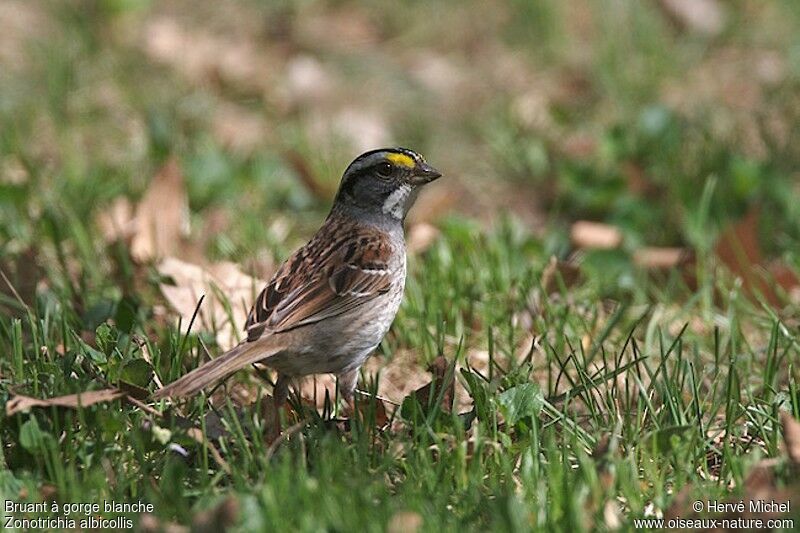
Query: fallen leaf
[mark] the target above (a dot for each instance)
(23, 23)
(739, 249)
(203, 57)
(162, 217)
(117, 222)
(441, 75)
(637, 181)
(680, 504)
(241, 130)
(365, 405)
(580, 146)
(738, 245)
(586, 234)
(218, 519)
(557, 272)
(48, 492)
(702, 16)
(307, 81)
(225, 288)
(20, 276)
(659, 258)
(439, 379)
(13, 172)
(400, 375)
(149, 523)
(786, 278)
(343, 29)
(404, 522)
(363, 129)
(19, 403)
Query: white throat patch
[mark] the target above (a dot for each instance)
(395, 203)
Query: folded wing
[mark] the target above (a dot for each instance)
(346, 272)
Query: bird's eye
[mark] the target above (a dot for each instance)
(384, 170)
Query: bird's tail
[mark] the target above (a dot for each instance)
(215, 370)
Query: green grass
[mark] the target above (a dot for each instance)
(608, 399)
(679, 409)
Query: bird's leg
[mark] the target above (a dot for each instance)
(347, 386)
(280, 392)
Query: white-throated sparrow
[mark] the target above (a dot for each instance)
(329, 305)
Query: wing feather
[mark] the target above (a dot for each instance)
(325, 278)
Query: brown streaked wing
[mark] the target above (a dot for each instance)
(332, 274)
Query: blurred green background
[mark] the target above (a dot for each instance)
(621, 111)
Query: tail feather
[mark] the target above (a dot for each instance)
(214, 371)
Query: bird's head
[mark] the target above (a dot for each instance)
(384, 182)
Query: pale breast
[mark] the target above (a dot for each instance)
(342, 343)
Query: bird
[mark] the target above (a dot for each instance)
(329, 305)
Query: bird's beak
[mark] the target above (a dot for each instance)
(424, 173)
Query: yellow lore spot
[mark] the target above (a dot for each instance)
(401, 160)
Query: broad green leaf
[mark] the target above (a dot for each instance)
(137, 372)
(520, 402)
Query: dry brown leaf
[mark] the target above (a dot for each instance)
(13, 172)
(786, 278)
(702, 16)
(221, 283)
(442, 75)
(218, 519)
(659, 258)
(162, 217)
(438, 368)
(399, 376)
(19, 403)
(117, 222)
(21, 275)
(363, 129)
(241, 130)
(739, 249)
(612, 515)
(149, 523)
(586, 234)
(738, 246)
(637, 180)
(680, 504)
(581, 146)
(559, 271)
(343, 29)
(307, 82)
(365, 406)
(22, 23)
(404, 522)
(203, 57)
(791, 436)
